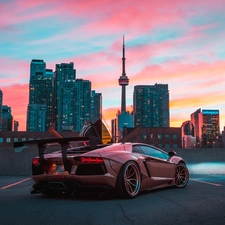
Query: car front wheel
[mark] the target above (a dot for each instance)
(181, 175)
(129, 180)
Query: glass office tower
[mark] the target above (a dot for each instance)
(40, 96)
(151, 105)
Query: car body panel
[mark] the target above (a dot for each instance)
(99, 166)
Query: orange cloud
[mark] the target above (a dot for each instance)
(16, 97)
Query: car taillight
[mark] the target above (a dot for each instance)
(91, 160)
(35, 162)
(52, 168)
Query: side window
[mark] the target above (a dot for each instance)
(136, 149)
(152, 152)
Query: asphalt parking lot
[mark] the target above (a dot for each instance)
(201, 202)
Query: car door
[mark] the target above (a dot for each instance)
(159, 168)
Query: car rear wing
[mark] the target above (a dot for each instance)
(63, 142)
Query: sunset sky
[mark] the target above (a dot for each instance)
(176, 42)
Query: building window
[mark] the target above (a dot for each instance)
(160, 145)
(31, 139)
(175, 136)
(144, 136)
(8, 140)
(159, 136)
(1, 140)
(167, 136)
(23, 139)
(175, 145)
(167, 145)
(15, 139)
(151, 136)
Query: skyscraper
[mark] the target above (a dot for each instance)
(206, 127)
(151, 105)
(82, 103)
(96, 106)
(64, 96)
(7, 118)
(1, 99)
(36, 117)
(195, 120)
(58, 99)
(40, 96)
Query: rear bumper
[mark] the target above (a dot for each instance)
(73, 183)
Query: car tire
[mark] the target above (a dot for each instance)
(181, 175)
(129, 180)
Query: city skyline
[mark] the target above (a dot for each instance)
(180, 44)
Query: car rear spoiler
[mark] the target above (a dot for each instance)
(63, 142)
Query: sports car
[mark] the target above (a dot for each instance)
(127, 168)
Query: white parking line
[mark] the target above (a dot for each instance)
(204, 182)
(13, 184)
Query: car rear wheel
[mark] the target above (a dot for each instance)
(181, 175)
(129, 180)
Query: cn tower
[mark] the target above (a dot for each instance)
(123, 81)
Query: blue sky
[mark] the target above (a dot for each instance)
(180, 43)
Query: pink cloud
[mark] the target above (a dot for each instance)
(16, 97)
(13, 71)
(179, 72)
(126, 14)
(24, 11)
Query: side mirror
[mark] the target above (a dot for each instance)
(172, 153)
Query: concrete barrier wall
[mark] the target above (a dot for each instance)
(199, 161)
(17, 163)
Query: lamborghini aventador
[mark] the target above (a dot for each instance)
(126, 168)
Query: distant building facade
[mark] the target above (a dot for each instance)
(223, 137)
(7, 118)
(206, 128)
(187, 133)
(161, 137)
(40, 97)
(58, 99)
(151, 105)
(8, 138)
(1, 99)
(125, 119)
(65, 76)
(96, 106)
(16, 125)
(114, 130)
(36, 117)
(83, 103)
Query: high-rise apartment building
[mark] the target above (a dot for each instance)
(40, 96)
(82, 103)
(66, 111)
(7, 118)
(151, 105)
(206, 127)
(1, 99)
(36, 117)
(64, 94)
(96, 106)
(58, 99)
